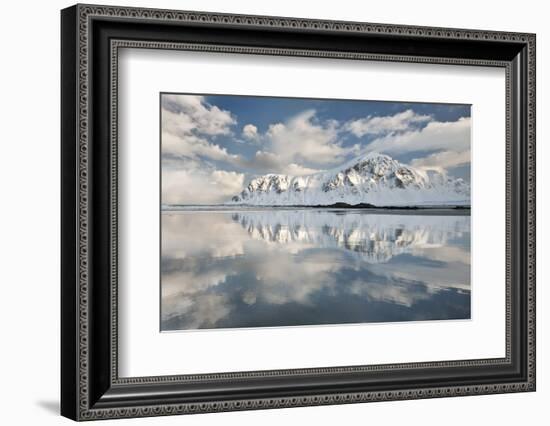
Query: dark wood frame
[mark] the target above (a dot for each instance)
(91, 37)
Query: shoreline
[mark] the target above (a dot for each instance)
(367, 208)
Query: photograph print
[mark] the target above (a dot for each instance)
(279, 211)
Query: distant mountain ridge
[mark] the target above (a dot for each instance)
(374, 179)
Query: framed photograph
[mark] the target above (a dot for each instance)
(263, 212)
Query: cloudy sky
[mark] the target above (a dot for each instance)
(213, 145)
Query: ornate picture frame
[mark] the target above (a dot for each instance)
(91, 38)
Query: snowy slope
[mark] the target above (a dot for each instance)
(375, 179)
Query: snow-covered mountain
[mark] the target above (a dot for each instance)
(373, 178)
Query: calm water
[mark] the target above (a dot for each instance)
(244, 268)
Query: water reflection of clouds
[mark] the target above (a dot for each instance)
(224, 269)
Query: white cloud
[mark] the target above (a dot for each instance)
(386, 124)
(227, 182)
(436, 135)
(195, 114)
(294, 169)
(301, 145)
(193, 146)
(442, 160)
(274, 163)
(303, 140)
(196, 183)
(250, 132)
(188, 123)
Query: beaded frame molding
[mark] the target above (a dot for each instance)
(91, 39)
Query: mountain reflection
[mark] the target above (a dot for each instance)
(376, 237)
(244, 268)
